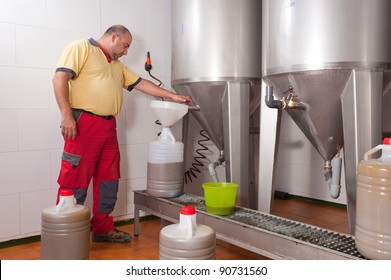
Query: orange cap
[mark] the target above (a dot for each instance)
(66, 192)
(188, 210)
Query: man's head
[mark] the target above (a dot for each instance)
(116, 41)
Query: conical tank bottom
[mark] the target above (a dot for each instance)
(210, 96)
(168, 113)
(321, 91)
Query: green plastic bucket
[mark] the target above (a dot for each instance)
(220, 197)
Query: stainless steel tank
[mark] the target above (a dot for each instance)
(216, 58)
(329, 63)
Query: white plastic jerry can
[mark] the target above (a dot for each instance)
(373, 204)
(187, 240)
(65, 230)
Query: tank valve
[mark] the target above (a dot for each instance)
(285, 103)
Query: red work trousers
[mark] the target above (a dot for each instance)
(94, 153)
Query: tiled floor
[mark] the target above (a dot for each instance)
(146, 245)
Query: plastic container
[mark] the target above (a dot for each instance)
(373, 207)
(165, 166)
(65, 230)
(220, 197)
(187, 240)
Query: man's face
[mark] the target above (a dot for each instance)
(120, 45)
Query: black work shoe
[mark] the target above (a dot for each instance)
(114, 235)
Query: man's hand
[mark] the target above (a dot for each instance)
(182, 98)
(68, 128)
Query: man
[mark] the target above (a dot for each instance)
(88, 86)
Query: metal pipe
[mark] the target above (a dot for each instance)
(194, 108)
(271, 102)
(333, 176)
(212, 166)
(335, 182)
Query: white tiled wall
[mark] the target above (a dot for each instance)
(33, 34)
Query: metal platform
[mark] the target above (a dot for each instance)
(265, 234)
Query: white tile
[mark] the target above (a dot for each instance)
(159, 53)
(43, 136)
(55, 163)
(24, 171)
(140, 126)
(59, 11)
(46, 49)
(163, 5)
(134, 161)
(131, 16)
(291, 150)
(10, 217)
(31, 206)
(137, 184)
(133, 185)
(136, 57)
(166, 84)
(52, 98)
(135, 100)
(121, 127)
(9, 128)
(158, 26)
(81, 35)
(120, 208)
(23, 12)
(29, 93)
(7, 53)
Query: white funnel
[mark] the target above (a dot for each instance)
(168, 113)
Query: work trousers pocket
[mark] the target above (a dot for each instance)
(69, 176)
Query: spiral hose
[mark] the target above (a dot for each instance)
(197, 163)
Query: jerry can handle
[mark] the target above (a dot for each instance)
(368, 155)
(190, 232)
(171, 137)
(60, 206)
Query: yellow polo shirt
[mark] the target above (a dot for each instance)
(96, 83)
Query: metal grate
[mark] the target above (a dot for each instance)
(321, 237)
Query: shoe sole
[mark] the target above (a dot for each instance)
(112, 240)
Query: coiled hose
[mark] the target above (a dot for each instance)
(197, 163)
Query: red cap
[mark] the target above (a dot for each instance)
(66, 192)
(188, 210)
(387, 141)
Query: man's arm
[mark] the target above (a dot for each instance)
(150, 88)
(61, 90)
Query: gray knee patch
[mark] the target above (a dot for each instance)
(107, 196)
(80, 195)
